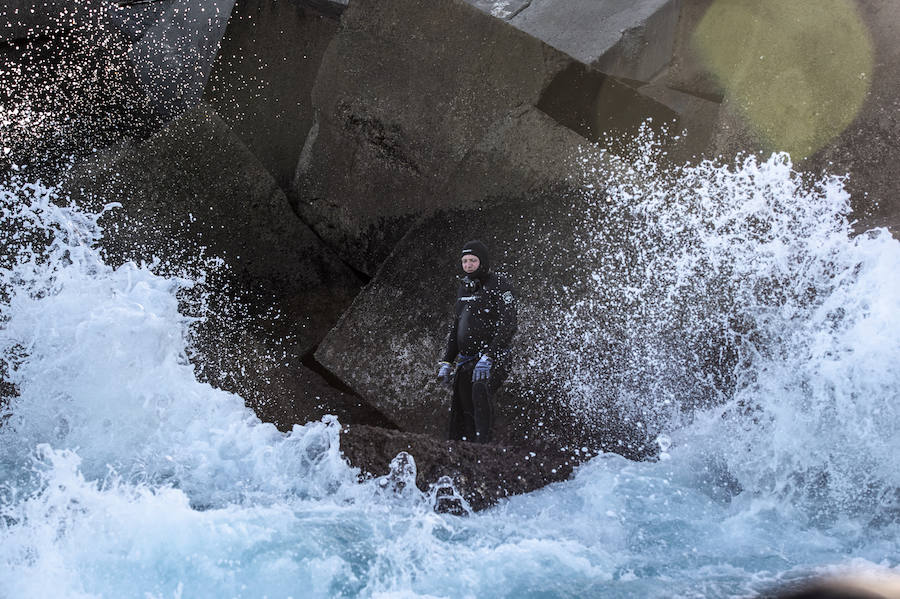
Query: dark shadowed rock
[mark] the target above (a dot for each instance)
(407, 91)
(77, 76)
(626, 38)
(175, 53)
(64, 87)
(261, 84)
(35, 19)
(481, 474)
(697, 118)
(601, 108)
(296, 395)
(194, 191)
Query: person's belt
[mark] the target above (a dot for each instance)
(463, 359)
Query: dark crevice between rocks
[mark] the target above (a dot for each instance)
(294, 203)
(329, 8)
(599, 107)
(360, 412)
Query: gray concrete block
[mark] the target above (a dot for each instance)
(406, 89)
(626, 38)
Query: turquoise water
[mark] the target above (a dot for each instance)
(123, 476)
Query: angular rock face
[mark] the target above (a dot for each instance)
(540, 229)
(406, 89)
(24, 19)
(54, 107)
(193, 191)
(262, 81)
(296, 394)
(626, 38)
(175, 53)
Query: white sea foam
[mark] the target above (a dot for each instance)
(123, 476)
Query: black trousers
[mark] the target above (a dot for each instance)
(472, 408)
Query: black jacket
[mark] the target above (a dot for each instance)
(484, 321)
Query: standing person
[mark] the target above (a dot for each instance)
(483, 326)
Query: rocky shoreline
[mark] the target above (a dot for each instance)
(334, 154)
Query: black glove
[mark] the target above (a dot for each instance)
(445, 373)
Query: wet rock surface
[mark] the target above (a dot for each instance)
(262, 80)
(402, 317)
(50, 109)
(297, 394)
(194, 192)
(481, 474)
(382, 148)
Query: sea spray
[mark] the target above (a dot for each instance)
(123, 476)
(751, 305)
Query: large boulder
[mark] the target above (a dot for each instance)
(406, 88)
(478, 474)
(80, 75)
(543, 230)
(406, 91)
(626, 38)
(262, 80)
(193, 191)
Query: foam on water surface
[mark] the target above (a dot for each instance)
(123, 476)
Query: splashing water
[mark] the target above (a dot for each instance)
(123, 476)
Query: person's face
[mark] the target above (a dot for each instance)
(470, 263)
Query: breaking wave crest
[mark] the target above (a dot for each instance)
(761, 344)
